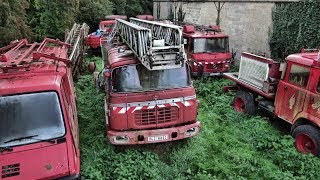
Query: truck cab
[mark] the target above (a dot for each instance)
(146, 106)
(290, 91)
(39, 137)
(207, 50)
(298, 100)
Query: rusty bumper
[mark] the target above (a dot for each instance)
(153, 136)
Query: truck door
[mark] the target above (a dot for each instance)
(313, 104)
(292, 92)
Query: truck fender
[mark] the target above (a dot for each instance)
(305, 118)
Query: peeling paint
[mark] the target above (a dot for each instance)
(292, 100)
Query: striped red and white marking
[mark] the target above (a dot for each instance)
(123, 110)
(219, 62)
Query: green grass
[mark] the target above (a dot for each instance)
(230, 145)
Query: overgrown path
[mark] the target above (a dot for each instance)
(230, 145)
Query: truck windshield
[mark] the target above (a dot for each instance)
(29, 118)
(137, 78)
(206, 45)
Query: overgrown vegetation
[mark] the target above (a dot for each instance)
(36, 19)
(132, 8)
(295, 26)
(230, 145)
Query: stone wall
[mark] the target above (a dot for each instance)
(248, 24)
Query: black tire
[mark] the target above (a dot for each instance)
(200, 71)
(244, 103)
(307, 139)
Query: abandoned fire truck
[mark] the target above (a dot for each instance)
(105, 27)
(207, 50)
(39, 137)
(290, 91)
(149, 93)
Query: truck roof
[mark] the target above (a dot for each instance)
(308, 58)
(124, 57)
(20, 56)
(28, 67)
(205, 34)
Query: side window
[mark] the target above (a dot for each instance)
(299, 75)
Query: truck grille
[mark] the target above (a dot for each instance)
(10, 170)
(156, 116)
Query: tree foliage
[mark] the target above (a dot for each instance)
(132, 8)
(52, 18)
(93, 11)
(13, 20)
(295, 26)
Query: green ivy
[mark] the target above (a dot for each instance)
(295, 26)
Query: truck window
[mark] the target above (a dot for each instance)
(206, 45)
(299, 75)
(137, 78)
(30, 118)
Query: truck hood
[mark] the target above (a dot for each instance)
(41, 163)
(212, 57)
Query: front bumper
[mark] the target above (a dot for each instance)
(70, 177)
(153, 136)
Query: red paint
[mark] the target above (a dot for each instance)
(40, 67)
(143, 119)
(305, 144)
(219, 62)
(295, 103)
(145, 17)
(105, 27)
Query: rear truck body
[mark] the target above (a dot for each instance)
(144, 105)
(105, 27)
(39, 137)
(207, 50)
(290, 91)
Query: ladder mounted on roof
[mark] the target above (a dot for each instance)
(157, 45)
(21, 54)
(76, 37)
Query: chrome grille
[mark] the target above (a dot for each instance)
(10, 170)
(156, 116)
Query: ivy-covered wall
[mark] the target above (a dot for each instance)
(295, 26)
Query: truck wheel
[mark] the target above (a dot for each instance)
(307, 139)
(244, 103)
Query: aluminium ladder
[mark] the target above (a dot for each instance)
(76, 38)
(157, 45)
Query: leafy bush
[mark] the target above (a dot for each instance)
(295, 26)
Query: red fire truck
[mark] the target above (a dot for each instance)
(39, 137)
(105, 27)
(207, 49)
(149, 93)
(290, 91)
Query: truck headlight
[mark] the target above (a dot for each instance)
(121, 139)
(192, 131)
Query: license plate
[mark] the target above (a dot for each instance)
(158, 138)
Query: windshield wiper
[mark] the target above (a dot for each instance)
(31, 137)
(7, 148)
(21, 138)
